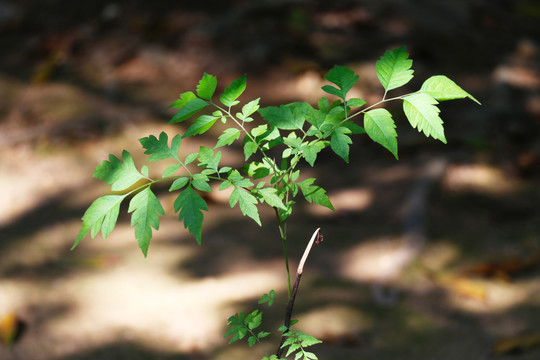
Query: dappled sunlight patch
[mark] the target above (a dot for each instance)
(334, 322)
(379, 259)
(438, 255)
(479, 178)
(344, 200)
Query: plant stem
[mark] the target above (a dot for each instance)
(292, 296)
(283, 233)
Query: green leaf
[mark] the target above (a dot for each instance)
(286, 117)
(207, 86)
(146, 209)
(159, 149)
(249, 149)
(120, 175)
(188, 110)
(442, 88)
(315, 194)
(183, 100)
(340, 142)
(394, 69)
(208, 159)
(190, 158)
(250, 107)
(254, 320)
(179, 183)
(356, 102)
(201, 125)
(343, 77)
(228, 137)
(252, 340)
(200, 182)
(423, 115)
(380, 128)
(270, 196)
(247, 203)
(232, 92)
(268, 298)
(171, 170)
(189, 205)
(311, 149)
(100, 215)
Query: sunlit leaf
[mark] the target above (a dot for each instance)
(340, 142)
(201, 125)
(315, 194)
(102, 215)
(394, 68)
(423, 115)
(232, 92)
(228, 137)
(146, 209)
(442, 88)
(380, 128)
(188, 110)
(247, 203)
(120, 175)
(207, 86)
(159, 149)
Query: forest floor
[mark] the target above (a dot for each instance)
(434, 256)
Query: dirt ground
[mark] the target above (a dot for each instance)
(434, 256)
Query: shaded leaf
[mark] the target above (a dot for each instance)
(340, 141)
(315, 194)
(343, 78)
(286, 117)
(189, 206)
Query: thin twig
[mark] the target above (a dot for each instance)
(290, 305)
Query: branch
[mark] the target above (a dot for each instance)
(288, 314)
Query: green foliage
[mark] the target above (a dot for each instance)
(275, 145)
(300, 129)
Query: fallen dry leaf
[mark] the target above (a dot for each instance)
(503, 269)
(463, 286)
(516, 344)
(10, 329)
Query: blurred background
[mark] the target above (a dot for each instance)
(434, 256)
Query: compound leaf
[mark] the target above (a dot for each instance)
(315, 194)
(189, 205)
(207, 86)
(380, 128)
(340, 141)
(120, 175)
(394, 69)
(442, 88)
(423, 115)
(343, 78)
(247, 203)
(101, 214)
(146, 209)
(232, 92)
(159, 149)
